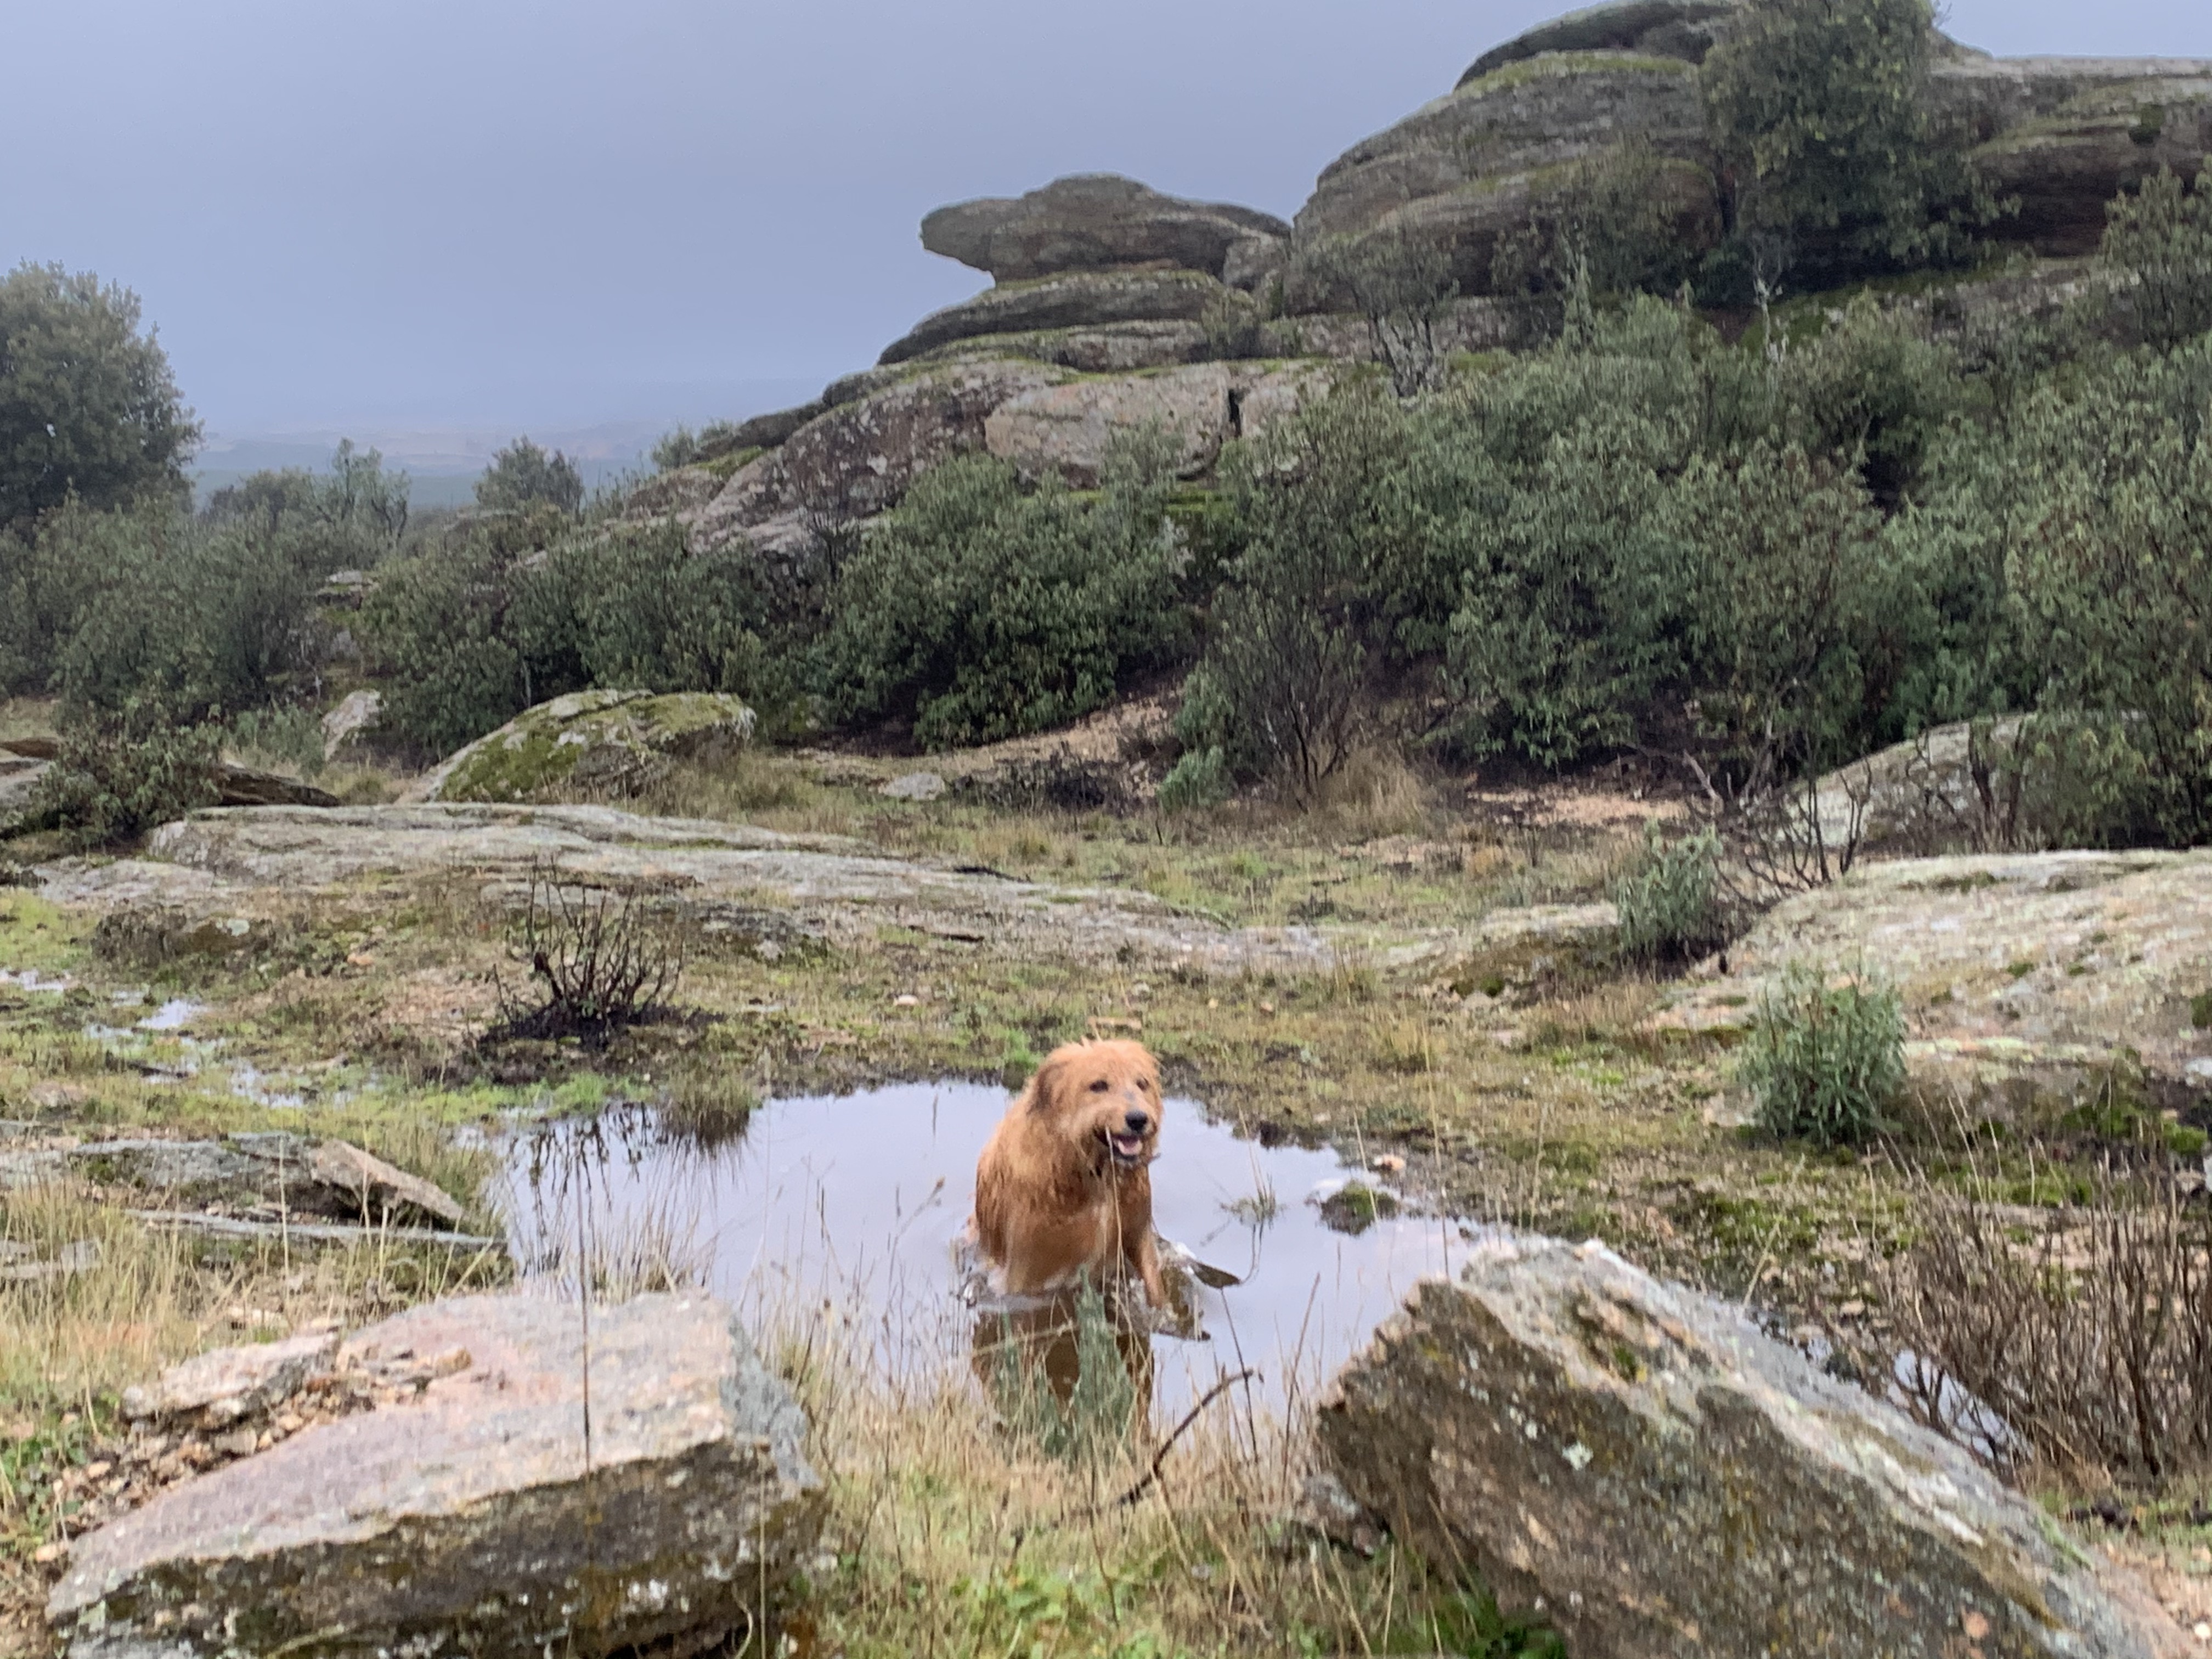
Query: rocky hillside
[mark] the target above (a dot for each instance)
(1113, 306)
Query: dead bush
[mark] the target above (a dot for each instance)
(600, 962)
(2086, 1334)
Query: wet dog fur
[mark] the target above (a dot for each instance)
(1065, 1185)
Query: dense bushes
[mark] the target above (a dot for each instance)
(982, 609)
(1825, 1063)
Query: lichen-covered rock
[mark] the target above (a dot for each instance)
(1112, 349)
(481, 1519)
(1637, 1465)
(1096, 221)
(2027, 978)
(600, 742)
(862, 456)
(356, 715)
(1082, 299)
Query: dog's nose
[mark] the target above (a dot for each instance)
(1139, 1123)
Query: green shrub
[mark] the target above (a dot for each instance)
(523, 474)
(1671, 904)
(1093, 1421)
(1825, 1062)
(2158, 247)
(123, 772)
(1199, 780)
(982, 609)
(289, 736)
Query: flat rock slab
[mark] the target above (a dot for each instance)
(1636, 1464)
(2010, 965)
(606, 744)
(733, 880)
(217, 1388)
(289, 1175)
(476, 1521)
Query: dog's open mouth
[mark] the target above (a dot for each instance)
(1128, 1150)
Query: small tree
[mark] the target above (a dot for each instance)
(523, 474)
(87, 405)
(1819, 109)
(2158, 245)
(1403, 286)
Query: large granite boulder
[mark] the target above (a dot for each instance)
(604, 743)
(2031, 981)
(1099, 222)
(1083, 299)
(861, 457)
(1070, 429)
(2067, 135)
(1639, 1465)
(483, 1518)
(1687, 29)
(1478, 164)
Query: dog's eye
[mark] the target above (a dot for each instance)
(1099, 1087)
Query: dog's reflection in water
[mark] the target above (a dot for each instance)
(1076, 1363)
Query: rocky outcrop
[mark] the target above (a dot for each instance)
(2027, 978)
(1099, 222)
(1070, 429)
(2069, 134)
(862, 456)
(2060, 135)
(1636, 1465)
(739, 885)
(269, 1176)
(1080, 299)
(1687, 29)
(1478, 165)
(604, 743)
(483, 1517)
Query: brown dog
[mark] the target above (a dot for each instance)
(1065, 1185)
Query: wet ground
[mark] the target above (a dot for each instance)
(850, 1208)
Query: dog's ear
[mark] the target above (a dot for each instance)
(1048, 1085)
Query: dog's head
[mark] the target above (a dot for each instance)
(1104, 1098)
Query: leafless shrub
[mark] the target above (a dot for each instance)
(601, 962)
(2087, 1335)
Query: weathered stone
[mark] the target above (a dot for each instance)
(248, 786)
(216, 1389)
(915, 785)
(2027, 978)
(1071, 429)
(768, 431)
(379, 1190)
(1687, 29)
(481, 1519)
(860, 457)
(602, 743)
(2074, 133)
(1094, 222)
(680, 490)
(1114, 349)
(1637, 1465)
(19, 785)
(1075, 299)
(357, 713)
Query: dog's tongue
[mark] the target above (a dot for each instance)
(1129, 1146)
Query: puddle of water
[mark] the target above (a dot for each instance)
(850, 1208)
(249, 1083)
(30, 979)
(172, 1016)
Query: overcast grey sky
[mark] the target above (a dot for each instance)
(553, 212)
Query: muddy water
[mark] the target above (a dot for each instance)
(848, 1210)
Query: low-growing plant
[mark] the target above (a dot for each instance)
(121, 773)
(1199, 780)
(1671, 902)
(1825, 1062)
(1085, 1413)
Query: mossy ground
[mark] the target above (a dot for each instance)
(1523, 1087)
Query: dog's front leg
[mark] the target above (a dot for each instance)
(1147, 1263)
